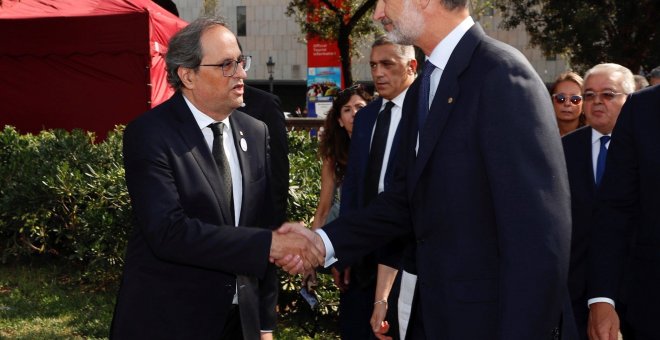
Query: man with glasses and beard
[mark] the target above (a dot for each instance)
(605, 89)
(480, 184)
(197, 171)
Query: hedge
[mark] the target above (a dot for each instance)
(62, 195)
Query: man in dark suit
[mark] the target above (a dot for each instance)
(480, 181)
(582, 149)
(197, 263)
(265, 107)
(628, 192)
(369, 172)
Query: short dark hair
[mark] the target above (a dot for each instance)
(453, 4)
(185, 48)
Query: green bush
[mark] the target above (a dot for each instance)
(64, 196)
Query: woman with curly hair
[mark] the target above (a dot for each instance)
(333, 149)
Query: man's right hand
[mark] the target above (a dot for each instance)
(603, 322)
(296, 249)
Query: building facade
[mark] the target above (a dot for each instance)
(265, 31)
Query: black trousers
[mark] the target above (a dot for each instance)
(232, 329)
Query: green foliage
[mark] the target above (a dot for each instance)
(64, 197)
(590, 32)
(304, 188)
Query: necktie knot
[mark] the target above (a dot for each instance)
(428, 68)
(217, 128)
(604, 140)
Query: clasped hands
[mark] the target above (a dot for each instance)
(296, 249)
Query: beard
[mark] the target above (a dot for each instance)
(407, 31)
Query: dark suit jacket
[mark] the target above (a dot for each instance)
(486, 198)
(266, 108)
(184, 254)
(352, 192)
(630, 189)
(577, 150)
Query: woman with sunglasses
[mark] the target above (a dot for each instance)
(567, 101)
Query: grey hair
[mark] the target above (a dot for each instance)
(404, 51)
(628, 81)
(185, 48)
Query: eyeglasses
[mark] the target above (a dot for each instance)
(351, 88)
(605, 95)
(561, 98)
(230, 66)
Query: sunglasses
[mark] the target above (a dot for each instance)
(605, 95)
(350, 89)
(561, 98)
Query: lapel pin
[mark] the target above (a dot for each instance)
(240, 133)
(243, 144)
(450, 100)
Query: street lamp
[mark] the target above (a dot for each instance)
(270, 65)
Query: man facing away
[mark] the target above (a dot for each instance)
(480, 183)
(197, 262)
(605, 89)
(366, 286)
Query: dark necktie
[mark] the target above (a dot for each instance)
(221, 161)
(377, 153)
(602, 156)
(424, 91)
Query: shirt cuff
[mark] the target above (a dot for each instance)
(600, 299)
(329, 249)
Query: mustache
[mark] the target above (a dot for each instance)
(386, 21)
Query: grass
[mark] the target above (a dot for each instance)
(41, 301)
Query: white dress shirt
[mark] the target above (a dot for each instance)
(395, 118)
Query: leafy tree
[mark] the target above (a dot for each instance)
(346, 21)
(590, 32)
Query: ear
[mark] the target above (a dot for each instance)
(341, 123)
(187, 76)
(412, 66)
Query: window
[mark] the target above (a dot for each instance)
(240, 21)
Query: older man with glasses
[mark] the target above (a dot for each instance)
(585, 149)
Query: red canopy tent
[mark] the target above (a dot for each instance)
(88, 64)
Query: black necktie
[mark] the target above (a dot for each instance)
(223, 164)
(377, 153)
(602, 156)
(424, 93)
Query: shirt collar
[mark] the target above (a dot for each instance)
(441, 53)
(595, 136)
(201, 118)
(398, 100)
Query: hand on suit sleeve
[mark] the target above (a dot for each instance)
(296, 249)
(603, 322)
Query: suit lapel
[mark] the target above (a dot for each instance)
(446, 97)
(194, 139)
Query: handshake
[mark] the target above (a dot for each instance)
(296, 249)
